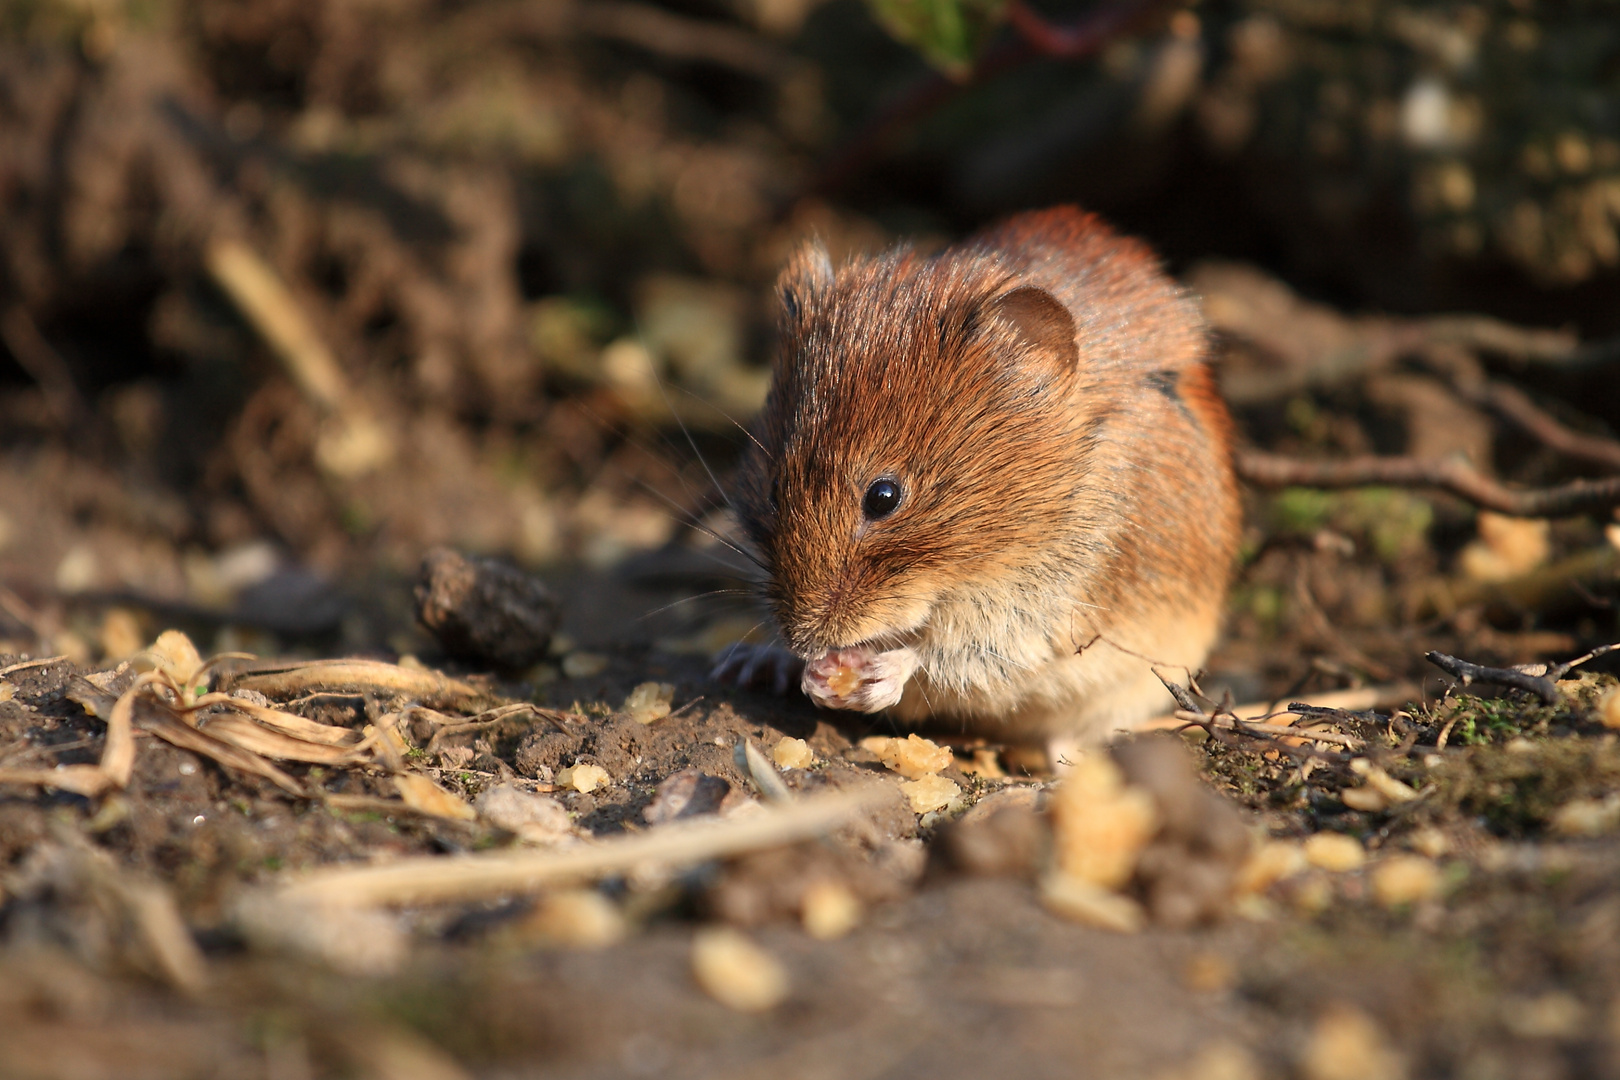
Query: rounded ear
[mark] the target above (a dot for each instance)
(1038, 322)
(808, 273)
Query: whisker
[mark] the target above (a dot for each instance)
(733, 420)
(689, 599)
(663, 392)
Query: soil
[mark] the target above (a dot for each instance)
(494, 221)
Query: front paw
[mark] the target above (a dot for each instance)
(758, 667)
(858, 678)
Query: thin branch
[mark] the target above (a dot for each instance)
(1525, 345)
(436, 879)
(1515, 406)
(1451, 475)
(1467, 673)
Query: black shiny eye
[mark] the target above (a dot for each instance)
(881, 499)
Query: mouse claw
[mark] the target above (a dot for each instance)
(758, 667)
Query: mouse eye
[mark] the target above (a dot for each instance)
(881, 499)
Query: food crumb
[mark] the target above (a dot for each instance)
(1347, 1044)
(829, 910)
(1268, 864)
(649, 701)
(1405, 879)
(1335, 851)
(1101, 824)
(912, 757)
(575, 918)
(929, 793)
(582, 778)
(1089, 904)
(582, 665)
(736, 972)
(793, 753)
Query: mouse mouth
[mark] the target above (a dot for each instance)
(864, 677)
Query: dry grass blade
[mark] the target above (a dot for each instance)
(243, 733)
(426, 797)
(112, 772)
(287, 723)
(431, 688)
(477, 877)
(162, 721)
(24, 665)
(445, 727)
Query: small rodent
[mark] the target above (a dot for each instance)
(993, 486)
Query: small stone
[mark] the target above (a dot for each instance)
(912, 757)
(736, 972)
(649, 701)
(929, 793)
(829, 910)
(1335, 851)
(685, 794)
(484, 610)
(793, 753)
(1405, 879)
(583, 665)
(535, 818)
(584, 778)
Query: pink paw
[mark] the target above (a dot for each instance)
(858, 678)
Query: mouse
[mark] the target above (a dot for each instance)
(991, 487)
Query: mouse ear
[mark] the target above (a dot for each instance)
(1040, 322)
(808, 273)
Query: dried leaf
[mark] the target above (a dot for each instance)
(426, 797)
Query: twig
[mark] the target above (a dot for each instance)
(353, 443)
(1275, 730)
(26, 664)
(430, 879)
(1451, 475)
(1364, 697)
(493, 718)
(1558, 671)
(1529, 346)
(1467, 673)
(1515, 406)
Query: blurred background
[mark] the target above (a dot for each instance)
(291, 291)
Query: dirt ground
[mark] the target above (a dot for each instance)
(292, 294)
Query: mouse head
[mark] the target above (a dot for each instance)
(925, 433)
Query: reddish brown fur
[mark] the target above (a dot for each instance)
(1041, 395)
